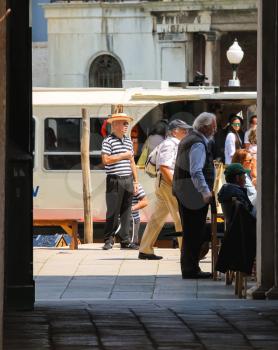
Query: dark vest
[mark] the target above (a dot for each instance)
(183, 187)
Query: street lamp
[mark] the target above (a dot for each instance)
(234, 56)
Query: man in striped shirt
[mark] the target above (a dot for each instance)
(121, 181)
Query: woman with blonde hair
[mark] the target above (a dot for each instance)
(243, 157)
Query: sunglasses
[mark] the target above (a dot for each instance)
(248, 160)
(235, 124)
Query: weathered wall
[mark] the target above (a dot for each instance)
(2, 156)
(81, 35)
(40, 64)
(151, 40)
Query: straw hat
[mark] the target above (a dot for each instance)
(119, 116)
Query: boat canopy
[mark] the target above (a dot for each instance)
(136, 101)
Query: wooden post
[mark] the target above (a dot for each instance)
(86, 176)
(214, 248)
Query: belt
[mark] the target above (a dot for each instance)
(119, 177)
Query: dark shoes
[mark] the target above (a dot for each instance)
(107, 245)
(144, 256)
(204, 250)
(124, 245)
(129, 245)
(199, 274)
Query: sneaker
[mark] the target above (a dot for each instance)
(129, 245)
(144, 256)
(107, 245)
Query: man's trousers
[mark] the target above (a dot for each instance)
(194, 235)
(165, 204)
(119, 192)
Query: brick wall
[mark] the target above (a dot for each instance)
(247, 70)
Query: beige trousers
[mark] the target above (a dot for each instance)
(165, 203)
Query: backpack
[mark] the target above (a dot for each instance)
(150, 165)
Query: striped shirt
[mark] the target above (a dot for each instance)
(135, 199)
(111, 146)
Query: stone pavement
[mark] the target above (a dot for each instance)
(91, 273)
(145, 325)
(91, 299)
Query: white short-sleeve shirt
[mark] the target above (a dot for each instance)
(230, 147)
(168, 153)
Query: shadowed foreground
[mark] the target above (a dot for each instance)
(145, 326)
(110, 300)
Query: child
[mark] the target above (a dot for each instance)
(139, 201)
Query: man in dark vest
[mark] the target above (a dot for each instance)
(192, 186)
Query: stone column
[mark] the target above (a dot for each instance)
(2, 157)
(212, 57)
(273, 69)
(267, 183)
(19, 284)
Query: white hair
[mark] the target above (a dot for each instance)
(203, 119)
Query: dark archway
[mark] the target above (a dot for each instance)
(105, 71)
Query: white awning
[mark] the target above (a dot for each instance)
(136, 101)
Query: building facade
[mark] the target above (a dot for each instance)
(99, 44)
(39, 44)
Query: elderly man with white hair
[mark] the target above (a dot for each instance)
(192, 186)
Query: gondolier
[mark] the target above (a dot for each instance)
(121, 181)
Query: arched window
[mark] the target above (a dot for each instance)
(105, 71)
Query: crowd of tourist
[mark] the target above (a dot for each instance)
(184, 161)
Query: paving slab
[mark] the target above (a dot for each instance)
(92, 273)
(97, 300)
(149, 325)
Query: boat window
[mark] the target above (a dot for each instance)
(62, 138)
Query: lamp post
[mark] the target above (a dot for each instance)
(234, 56)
